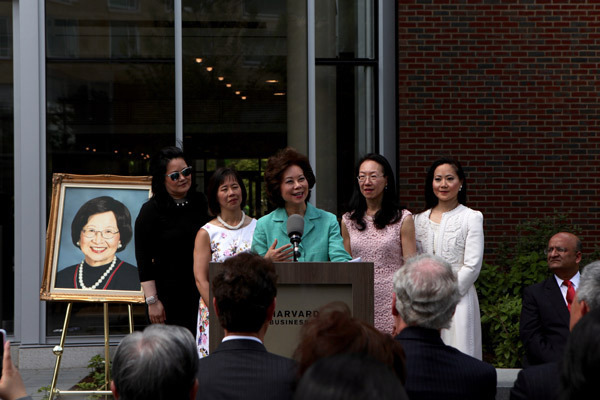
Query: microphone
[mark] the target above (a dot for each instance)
(295, 229)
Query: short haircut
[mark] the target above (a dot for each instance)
(426, 292)
(430, 199)
(581, 361)
(243, 290)
(335, 331)
(277, 164)
(159, 363)
(101, 205)
(589, 285)
(349, 376)
(216, 180)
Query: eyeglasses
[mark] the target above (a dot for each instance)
(372, 177)
(184, 172)
(549, 250)
(106, 233)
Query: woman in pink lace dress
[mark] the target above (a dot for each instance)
(379, 230)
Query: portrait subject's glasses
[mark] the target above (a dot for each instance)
(184, 172)
(106, 233)
(558, 249)
(372, 178)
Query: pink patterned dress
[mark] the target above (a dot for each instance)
(224, 243)
(383, 247)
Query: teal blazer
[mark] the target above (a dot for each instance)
(321, 240)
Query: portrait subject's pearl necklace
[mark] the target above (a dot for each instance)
(226, 225)
(95, 285)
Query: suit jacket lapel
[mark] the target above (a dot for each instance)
(556, 299)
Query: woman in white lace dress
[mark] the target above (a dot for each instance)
(454, 232)
(228, 234)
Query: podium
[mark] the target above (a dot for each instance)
(302, 288)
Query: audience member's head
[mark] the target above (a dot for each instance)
(581, 363)
(349, 377)
(588, 293)
(334, 331)
(564, 254)
(426, 292)
(159, 363)
(244, 293)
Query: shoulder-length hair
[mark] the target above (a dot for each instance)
(216, 180)
(430, 199)
(101, 205)
(277, 164)
(158, 169)
(391, 210)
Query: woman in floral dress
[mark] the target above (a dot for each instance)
(228, 234)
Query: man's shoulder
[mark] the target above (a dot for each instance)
(536, 287)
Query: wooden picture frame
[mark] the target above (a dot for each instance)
(76, 242)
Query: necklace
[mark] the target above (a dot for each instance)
(95, 285)
(233, 228)
(181, 202)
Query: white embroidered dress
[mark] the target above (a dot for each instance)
(458, 239)
(224, 243)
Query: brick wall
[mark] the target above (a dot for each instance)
(512, 90)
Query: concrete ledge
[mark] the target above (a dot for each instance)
(43, 358)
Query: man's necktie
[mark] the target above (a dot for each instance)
(570, 293)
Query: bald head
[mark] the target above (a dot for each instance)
(564, 254)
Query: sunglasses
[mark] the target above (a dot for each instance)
(187, 171)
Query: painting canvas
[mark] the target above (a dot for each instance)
(90, 243)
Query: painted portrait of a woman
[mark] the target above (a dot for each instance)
(100, 229)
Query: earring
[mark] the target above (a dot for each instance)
(460, 188)
(120, 245)
(385, 188)
(78, 245)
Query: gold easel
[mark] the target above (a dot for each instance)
(58, 351)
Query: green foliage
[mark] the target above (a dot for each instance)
(521, 262)
(46, 392)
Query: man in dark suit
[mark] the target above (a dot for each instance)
(426, 296)
(544, 327)
(241, 368)
(541, 381)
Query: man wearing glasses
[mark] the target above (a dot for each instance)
(544, 325)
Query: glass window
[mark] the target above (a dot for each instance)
(110, 102)
(7, 221)
(345, 82)
(239, 58)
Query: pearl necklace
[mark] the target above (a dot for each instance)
(95, 285)
(233, 228)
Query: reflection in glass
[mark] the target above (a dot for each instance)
(110, 103)
(235, 81)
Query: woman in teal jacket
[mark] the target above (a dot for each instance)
(289, 178)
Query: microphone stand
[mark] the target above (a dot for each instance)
(295, 239)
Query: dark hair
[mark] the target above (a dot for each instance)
(277, 164)
(349, 376)
(430, 199)
(244, 289)
(581, 362)
(390, 211)
(101, 205)
(216, 180)
(158, 169)
(334, 331)
(159, 363)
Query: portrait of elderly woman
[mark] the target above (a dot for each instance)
(100, 229)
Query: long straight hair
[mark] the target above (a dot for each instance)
(391, 210)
